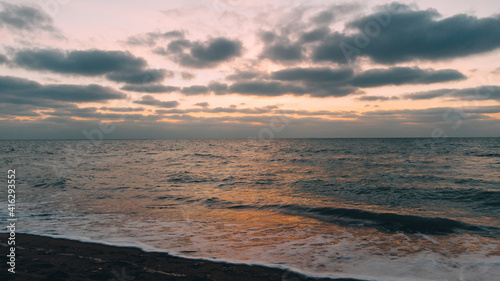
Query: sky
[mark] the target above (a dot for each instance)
(73, 69)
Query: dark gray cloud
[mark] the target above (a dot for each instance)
(195, 90)
(323, 17)
(405, 75)
(76, 93)
(487, 92)
(277, 88)
(399, 33)
(288, 41)
(150, 88)
(202, 104)
(255, 110)
(187, 75)
(340, 113)
(279, 48)
(202, 54)
(22, 91)
(9, 111)
(118, 66)
(282, 52)
(140, 76)
(25, 18)
(151, 38)
(322, 81)
(11, 84)
(149, 100)
(333, 13)
(331, 82)
(317, 82)
(267, 36)
(122, 109)
(243, 75)
(377, 98)
(90, 62)
(315, 34)
(92, 113)
(266, 88)
(313, 74)
(230, 109)
(218, 88)
(3, 59)
(449, 117)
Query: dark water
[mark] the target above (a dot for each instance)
(378, 209)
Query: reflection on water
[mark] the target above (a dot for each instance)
(373, 208)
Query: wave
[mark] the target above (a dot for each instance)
(389, 222)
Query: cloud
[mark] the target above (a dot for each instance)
(487, 92)
(496, 71)
(22, 91)
(202, 104)
(149, 100)
(3, 59)
(335, 82)
(399, 33)
(405, 75)
(288, 41)
(321, 81)
(218, 88)
(9, 111)
(90, 62)
(117, 66)
(448, 116)
(324, 17)
(76, 93)
(312, 74)
(384, 123)
(141, 76)
(187, 75)
(25, 18)
(122, 109)
(377, 98)
(282, 52)
(230, 109)
(243, 75)
(276, 88)
(334, 12)
(202, 54)
(150, 88)
(265, 88)
(316, 82)
(151, 38)
(92, 113)
(315, 35)
(195, 90)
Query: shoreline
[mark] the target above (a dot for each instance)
(46, 258)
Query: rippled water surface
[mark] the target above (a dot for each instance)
(377, 209)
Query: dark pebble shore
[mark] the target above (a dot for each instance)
(44, 258)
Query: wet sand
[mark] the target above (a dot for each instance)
(44, 258)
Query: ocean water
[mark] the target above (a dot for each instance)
(371, 209)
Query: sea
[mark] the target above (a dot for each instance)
(367, 209)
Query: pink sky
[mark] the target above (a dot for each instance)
(425, 48)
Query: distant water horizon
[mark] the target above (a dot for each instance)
(367, 208)
(249, 138)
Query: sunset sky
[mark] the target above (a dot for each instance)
(231, 68)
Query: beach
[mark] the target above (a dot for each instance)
(45, 258)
